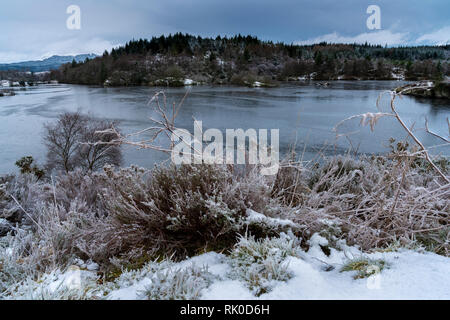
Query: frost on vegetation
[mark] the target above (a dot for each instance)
(14, 267)
(164, 280)
(255, 217)
(371, 202)
(205, 210)
(261, 263)
(19, 195)
(178, 284)
(73, 284)
(122, 219)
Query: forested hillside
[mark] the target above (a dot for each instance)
(245, 59)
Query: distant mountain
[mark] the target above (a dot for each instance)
(52, 63)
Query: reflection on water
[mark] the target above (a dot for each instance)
(304, 113)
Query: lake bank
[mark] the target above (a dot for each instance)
(427, 89)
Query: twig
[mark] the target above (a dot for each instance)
(435, 134)
(372, 118)
(28, 215)
(416, 140)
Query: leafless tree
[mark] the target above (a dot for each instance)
(61, 139)
(93, 155)
(71, 143)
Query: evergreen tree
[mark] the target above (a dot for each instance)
(103, 73)
(318, 59)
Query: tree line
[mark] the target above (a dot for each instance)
(224, 60)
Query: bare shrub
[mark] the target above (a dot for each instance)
(373, 202)
(95, 151)
(62, 138)
(372, 119)
(406, 200)
(72, 141)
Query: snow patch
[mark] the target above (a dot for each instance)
(253, 216)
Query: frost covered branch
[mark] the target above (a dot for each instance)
(372, 119)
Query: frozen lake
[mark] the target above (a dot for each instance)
(303, 112)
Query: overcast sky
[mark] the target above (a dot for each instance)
(31, 29)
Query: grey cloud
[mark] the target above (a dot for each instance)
(34, 28)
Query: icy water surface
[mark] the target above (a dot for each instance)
(304, 113)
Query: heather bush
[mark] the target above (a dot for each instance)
(46, 221)
(184, 210)
(83, 188)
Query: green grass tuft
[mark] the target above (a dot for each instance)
(364, 267)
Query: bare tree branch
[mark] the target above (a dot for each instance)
(72, 142)
(435, 134)
(372, 119)
(165, 126)
(416, 140)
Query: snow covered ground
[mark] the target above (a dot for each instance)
(407, 274)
